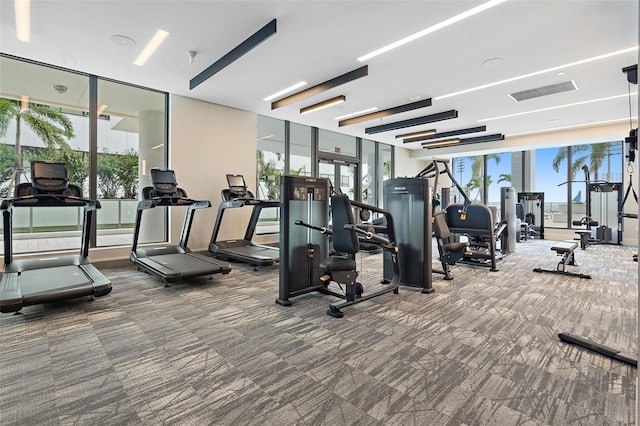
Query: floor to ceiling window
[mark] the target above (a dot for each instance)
(125, 135)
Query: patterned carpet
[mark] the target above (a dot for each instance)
(481, 350)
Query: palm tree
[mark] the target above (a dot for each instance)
(593, 153)
(504, 177)
(476, 174)
(49, 124)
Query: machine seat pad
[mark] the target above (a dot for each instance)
(335, 263)
(567, 247)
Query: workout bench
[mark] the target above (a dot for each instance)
(583, 235)
(564, 249)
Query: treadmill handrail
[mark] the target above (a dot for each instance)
(90, 206)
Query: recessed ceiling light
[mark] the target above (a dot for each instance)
(123, 40)
(151, 47)
(553, 120)
(560, 72)
(574, 126)
(432, 29)
(520, 77)
(284, 91)
(353, 114)
(492, 62)
(557, 107)
(23, 20)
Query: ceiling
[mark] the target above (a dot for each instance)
(317, 41)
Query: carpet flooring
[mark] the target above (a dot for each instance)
(481, 350)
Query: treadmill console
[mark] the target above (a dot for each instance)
(49, 177)
(237, 186)
(164, 182)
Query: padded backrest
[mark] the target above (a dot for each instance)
(478, 218)
(440, 226)
(344, 240)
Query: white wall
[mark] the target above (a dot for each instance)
(207, 142)
(405, 165)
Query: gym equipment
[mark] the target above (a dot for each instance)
(450, 251)
(478, 226)
(433, 170)
(626, 357)
(33, 281)
(508, 215)
(172, 263)
(631, 359)
(304, 267)
(535, 224)
(566, 251)
(409, 201)
(245, 249)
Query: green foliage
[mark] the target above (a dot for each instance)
(127, 167)
(107, 174)
(591, 154)
(7, 160)
(504, 177)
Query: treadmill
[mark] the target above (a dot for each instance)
(41, 280)
(245, 249)
(172, 263)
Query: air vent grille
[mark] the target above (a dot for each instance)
(566, 86)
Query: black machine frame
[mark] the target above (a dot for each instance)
(537, 197)
(245, 249)
(34, 281)
(304, 246)
(172, 263)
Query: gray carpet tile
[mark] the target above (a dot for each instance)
(481, 350)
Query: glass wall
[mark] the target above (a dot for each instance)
(498, 175)
(469, 172)
(300, 156)
(368, 172)
(35, 96)
(336, 143)
(385, 168)
(270, 159)
(131, 141)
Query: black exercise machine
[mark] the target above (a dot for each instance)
(535, 226)
(477, 224)
(566, 251)
(41, 280)
(243, 249)
(172, 263)
(450, 251)
(304, 265)
(628, 358)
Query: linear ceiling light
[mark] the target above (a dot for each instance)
(413, 122)
(483, 138)
(558, 106)
(102, 109)
(432, 29)
(285, 91)
(151, 47)
(386, 112)
(157, 146)
(324, 104)
(575, 126)
(236, 53)
(356, 113)
(23, 20)
(440, 144)
(532, 74)
(322, 87)
(445, 134)
(416, 134)
(24, 102)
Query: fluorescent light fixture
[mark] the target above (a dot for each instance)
(445, 134)
(575, 126)
(324, 104)
(157, 146)
(285, 91)
(23, 20)
(264, 137)
(151, 47)
(532, 74)
(557, 107)
(353, 114)
(417, 134)
(102, 109)
(440, 144)
(432, 29)
(144, 167)
(24, 102)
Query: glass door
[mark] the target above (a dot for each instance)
(342, 174)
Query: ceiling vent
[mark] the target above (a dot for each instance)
(566, 86)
